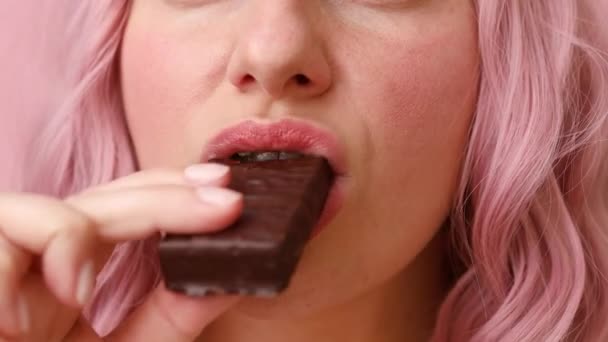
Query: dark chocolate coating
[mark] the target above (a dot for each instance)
(257, 255)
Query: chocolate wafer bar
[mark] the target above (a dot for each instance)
(258, 254)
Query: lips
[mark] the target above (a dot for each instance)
(287, 136)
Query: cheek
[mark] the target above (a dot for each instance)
(151, 94)
(425, 104)
(417, 107)
(160, 82)
(424, 97)
(416, 103)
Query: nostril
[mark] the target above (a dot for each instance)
(247, 79)
(302, 79)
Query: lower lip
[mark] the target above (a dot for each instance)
(333, 204)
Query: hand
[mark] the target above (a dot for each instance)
(51, 251)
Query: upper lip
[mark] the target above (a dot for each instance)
(285, 135)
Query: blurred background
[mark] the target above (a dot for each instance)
(33, 68)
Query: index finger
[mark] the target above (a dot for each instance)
(137, 213)
(31, 221)
(198, 174)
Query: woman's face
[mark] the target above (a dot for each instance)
(392, 82)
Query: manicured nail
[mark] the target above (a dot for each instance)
(86, 282)
(218, 196)
(205, 173)
(24, 315)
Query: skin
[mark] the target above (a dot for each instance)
(49, 260)
(395, 81)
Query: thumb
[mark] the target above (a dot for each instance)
(168, 316)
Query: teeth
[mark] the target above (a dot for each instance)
(290, 155)
(244, 154)
(265, 156)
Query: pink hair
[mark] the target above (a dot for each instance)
(530, 221)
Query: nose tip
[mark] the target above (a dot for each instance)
(280, 54)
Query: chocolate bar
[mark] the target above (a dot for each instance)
(257, 255)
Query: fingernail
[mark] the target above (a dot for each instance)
(24, 315)
(205, 173)
(86, 282)
(218, 196)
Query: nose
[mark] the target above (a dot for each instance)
(278, 51)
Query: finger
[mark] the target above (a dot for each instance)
(168, 316)
(32, 234)
(207, 174)
(128, 214)
(16, 208)
(198, 174)
(124, 215)
(30, 221)
(62, 235)
(68, 265)
(14, 262)
(49, 319)
(138, 213)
